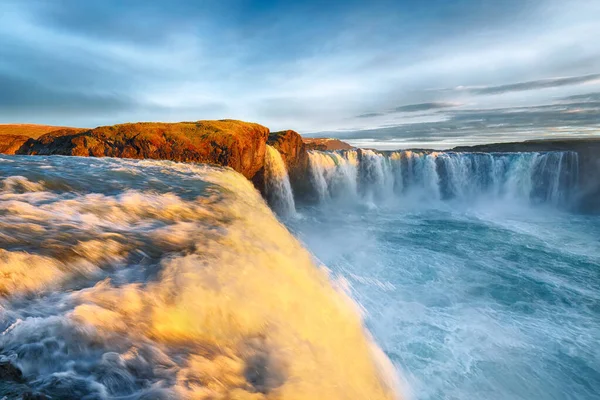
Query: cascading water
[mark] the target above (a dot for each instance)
(143, 280)
(527, 177)
(139, 280)
(475, 278)
(277, 183)
(334, 174)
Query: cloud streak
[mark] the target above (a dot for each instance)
(529, 85)
(424, 107)
(411, 108)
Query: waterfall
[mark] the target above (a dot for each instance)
(334, 174)
(277, 183)
(370, 176)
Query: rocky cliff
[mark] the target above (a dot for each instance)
(295, 156)
(588, 150)
(293, 151)
(236, 144)
(10, 144)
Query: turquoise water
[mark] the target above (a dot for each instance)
(488, 301)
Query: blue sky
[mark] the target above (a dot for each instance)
(389, 73)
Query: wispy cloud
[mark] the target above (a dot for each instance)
(584, 97)
(370, 115)
(411, 108)
(529, 85)
(424, 107)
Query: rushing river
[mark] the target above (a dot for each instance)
(147, 280)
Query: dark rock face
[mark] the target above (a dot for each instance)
(292, 150)
(236, 144)
(588, 150)
(295, 155)
(10, 144)
(9, 372)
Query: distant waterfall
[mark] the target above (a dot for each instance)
(334, 173)
(277, 183)
(372, 176)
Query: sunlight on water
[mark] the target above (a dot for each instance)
(149, 279)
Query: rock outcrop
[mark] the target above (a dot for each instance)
(588, 150)
(293, 151)
(10, 144)
(9, 372)
(326, 144)
(295, 156)
(236, 144)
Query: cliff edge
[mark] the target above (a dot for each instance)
(236, 144)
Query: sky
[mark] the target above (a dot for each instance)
(384, 74)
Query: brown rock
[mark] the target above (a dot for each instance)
(236, 144)
(10, 144)
(293, 152)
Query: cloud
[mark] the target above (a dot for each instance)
(529, 85)
(424, 107)
(520, 122)
(370, 115)
(410, 108)
(586, 97)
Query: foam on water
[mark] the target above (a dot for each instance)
(472, 302)
(151, 279)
